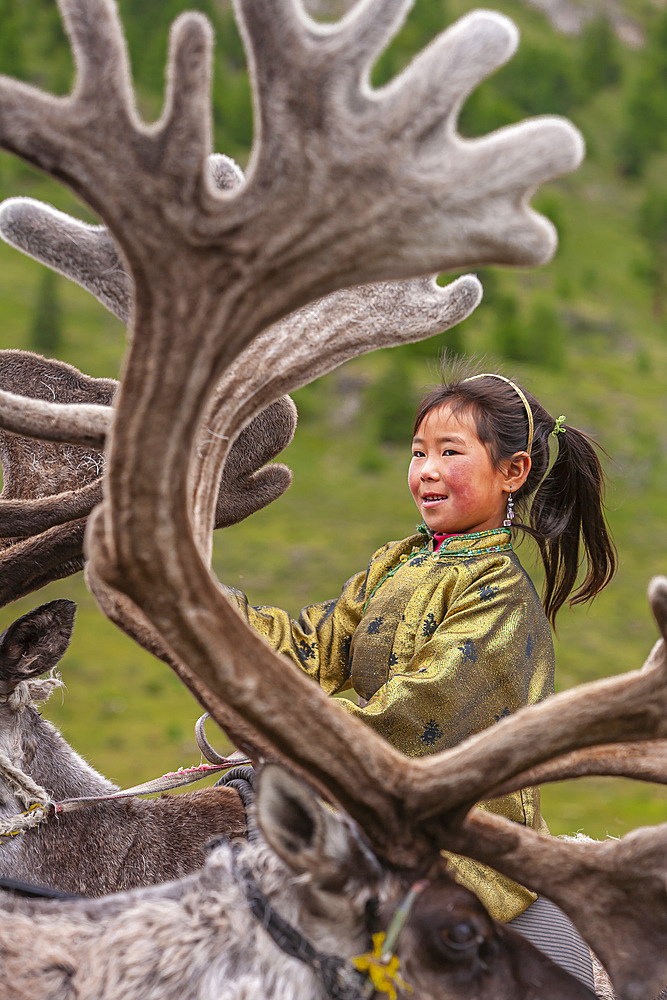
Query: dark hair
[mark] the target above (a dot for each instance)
(565, 503)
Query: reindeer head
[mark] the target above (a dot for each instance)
(32, 645)
(340, 899)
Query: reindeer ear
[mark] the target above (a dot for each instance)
(306, 833)
(35, 642)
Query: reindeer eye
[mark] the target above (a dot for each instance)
(461, 937)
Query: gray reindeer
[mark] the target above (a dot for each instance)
(345, 186)
(106, 846)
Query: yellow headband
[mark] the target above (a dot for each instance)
(529, 412)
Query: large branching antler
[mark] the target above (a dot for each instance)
(352, 320)
(345, 186)
(259, 253)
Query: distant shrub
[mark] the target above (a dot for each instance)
(600, 59)
(486, 110)
(549, 203)
(541, 80)
(546, 337)
(652, 225)
(507, 335)
(11, 39)
(539, 339)
(643, 361)
(645, 126)
(645, 115)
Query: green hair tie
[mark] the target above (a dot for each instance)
(558, 426)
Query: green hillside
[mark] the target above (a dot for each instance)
(587, 334)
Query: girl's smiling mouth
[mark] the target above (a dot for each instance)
(433, 498)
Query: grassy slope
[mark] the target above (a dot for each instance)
(131, 717)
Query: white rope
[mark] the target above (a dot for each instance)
(28, 820)
(40, 806)
(33, 691)
(27, 790)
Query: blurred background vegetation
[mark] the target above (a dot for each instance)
(587, 334)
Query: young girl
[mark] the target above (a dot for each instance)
(444, 634)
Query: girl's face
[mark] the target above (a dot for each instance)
(451, 477)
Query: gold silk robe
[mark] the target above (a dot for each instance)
(438, 646)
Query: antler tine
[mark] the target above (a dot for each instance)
(100, 54)
(646, 761)
(33, 562)
(23, 518)
(86, 254)
(82, 424)
(186, 121)
(614, 891)
(657, 596)
(455, 63)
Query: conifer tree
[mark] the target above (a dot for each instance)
(600, 61)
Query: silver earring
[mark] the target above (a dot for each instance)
(509, 515)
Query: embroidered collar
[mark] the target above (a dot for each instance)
(475, 543)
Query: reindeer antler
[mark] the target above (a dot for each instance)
(354, 320)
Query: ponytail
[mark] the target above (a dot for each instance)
(566, 513)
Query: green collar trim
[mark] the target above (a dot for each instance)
(483, 543)
(474, 543)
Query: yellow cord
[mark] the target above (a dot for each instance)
(383, 975)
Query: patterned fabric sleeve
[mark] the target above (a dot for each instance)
(319, 640)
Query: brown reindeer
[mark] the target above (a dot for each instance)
(345, 186)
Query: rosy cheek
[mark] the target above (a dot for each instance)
(459, 484)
